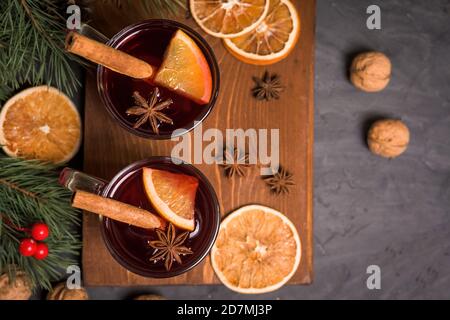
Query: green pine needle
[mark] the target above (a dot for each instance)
(155, 8)
(29, 192)
(32, 34)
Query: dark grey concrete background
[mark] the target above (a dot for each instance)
(369, 210)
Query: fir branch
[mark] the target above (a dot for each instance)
(5, 92)
(32, 51)
(29, 192)
(13, 186)
(161, 7)
(155, 8)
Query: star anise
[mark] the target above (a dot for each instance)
(268, 87)
(169, 246)
(281, 181)
(235, 163)
(150, 110)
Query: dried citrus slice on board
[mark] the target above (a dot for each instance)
(272, 40)
(258, 250)
(228, 18)
(40, 123)
(185, 69)
(172, 195)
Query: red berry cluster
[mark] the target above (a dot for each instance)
(30, 247)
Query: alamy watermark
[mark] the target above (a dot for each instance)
(374, 280)
(74, 280)
(374, 20)
(74, 20)
(262, 146)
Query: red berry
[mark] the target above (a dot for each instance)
(41, 251)
(27, 247)
(39, 231)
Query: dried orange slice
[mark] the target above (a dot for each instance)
(172, 195)
(272, 40)
(40, 123)
(258, 250)
(185, 69)
(228, 18)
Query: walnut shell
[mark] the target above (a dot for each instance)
(370, 71)
(61, 292)
(19, 290)
(388, 138)
(149, 297)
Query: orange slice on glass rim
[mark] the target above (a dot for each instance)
(172, 195)
(228, 18)
(272, 40)
(258, 250)
(40, 123)
(185, 69)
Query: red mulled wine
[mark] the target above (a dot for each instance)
(148, 41)
(130, 245)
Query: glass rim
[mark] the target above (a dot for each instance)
(213, 232)
(212, 62)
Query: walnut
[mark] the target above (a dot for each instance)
(149, 297)
(61, 292)
(19, 290)
(388, 138)
(370, 71)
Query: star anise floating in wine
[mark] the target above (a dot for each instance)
(267, 87)
(169, 246)
(150, 110)
(235, 163)
(281, 181)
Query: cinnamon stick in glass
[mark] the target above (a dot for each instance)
(117, 210)
(108, 57)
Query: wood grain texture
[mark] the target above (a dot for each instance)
(109, 148)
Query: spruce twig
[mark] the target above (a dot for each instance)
(29, 192)
(154, 8)
(32, 51)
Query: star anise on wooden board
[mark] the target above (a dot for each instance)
(280, 182)
(267, 87)
(149, 110)
(169, 246)
(235, 163)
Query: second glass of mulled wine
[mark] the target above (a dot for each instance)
(156, 253)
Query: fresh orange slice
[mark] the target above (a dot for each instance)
(272, 40)
(40, 123)
(185, 69)
(228, 18)
(258, 250)
(172, 195)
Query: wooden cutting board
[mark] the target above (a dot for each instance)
(108, 148)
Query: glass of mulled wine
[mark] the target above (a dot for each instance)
(148, 41)
(129, 245)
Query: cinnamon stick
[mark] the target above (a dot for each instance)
(108, 57)
(117, 210)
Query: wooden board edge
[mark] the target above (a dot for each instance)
(310, 164)
(85, 275)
